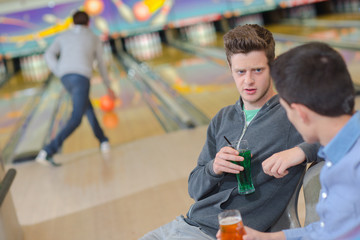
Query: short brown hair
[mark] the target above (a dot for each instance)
(247, 38)
(315, 75)
(81, 18)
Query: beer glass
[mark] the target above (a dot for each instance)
(231, 226)
(245, 184)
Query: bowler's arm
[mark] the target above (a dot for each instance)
(51, 56)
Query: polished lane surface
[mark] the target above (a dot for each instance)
(18, 96)
(206, 84)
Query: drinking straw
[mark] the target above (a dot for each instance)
(227, 140)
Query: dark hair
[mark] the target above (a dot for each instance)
(247, 38)
(316, 76)
(80, 18)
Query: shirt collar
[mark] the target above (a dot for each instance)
(343, 141)
(77, 28)
(272, 101)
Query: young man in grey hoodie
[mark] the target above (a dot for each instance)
(323, 111)
(70, 57)
(259, 118)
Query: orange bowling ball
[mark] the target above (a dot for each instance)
(93, 7)
(110, 120)
(107, 104)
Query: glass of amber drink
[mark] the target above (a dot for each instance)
(231, 226)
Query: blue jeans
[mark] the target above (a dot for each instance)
(78, 87)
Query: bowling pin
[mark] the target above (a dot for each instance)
(129, 45)
(136, 47)
(43, 68)
(145, 47)
(32, 67)
(161, 18)
(124, 11)
(38, 68)
(102, 25)
(35, 67)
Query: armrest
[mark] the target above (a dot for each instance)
(6, 183)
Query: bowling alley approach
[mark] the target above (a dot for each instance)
(168, 77)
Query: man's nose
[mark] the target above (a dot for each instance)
(248, 78)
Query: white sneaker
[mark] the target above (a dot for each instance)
(43, 159)
(105, 147)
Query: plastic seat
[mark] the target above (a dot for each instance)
(289, 218)
(311, 186)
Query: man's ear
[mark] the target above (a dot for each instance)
(302, 111)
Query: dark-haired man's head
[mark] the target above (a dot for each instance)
(81, 18)
(316, 76)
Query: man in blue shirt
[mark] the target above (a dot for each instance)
(317, 92)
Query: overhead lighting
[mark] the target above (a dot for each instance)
(51, 4)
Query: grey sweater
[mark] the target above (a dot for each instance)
(74, 52)
(268, 133)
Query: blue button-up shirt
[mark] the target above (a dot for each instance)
(339, 200)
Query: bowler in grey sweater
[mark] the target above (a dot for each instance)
(70, 57)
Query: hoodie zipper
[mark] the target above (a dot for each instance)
(243, 131)
(241, 136)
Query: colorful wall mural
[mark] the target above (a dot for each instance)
(30, 31)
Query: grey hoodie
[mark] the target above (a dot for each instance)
(269, 132)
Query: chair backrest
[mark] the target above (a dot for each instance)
(289, 218)
(311, 186)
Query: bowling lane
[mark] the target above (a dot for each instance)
(130, 120)
(336, 17)
(204, 83)
(346, 36)
(339, 29)
(340, 36)
(343, 39)
(351, 57)
(16, 101)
